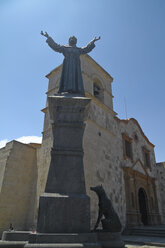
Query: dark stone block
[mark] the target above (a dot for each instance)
(63, 213)
(15, 235)
(110, 240)
(66, 238)
(12, 244)
(66, 174)
(77, 245)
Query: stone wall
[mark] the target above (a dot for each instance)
(102, 166)
(4, 155)
(160, 175)
(18, 187)
(137, 173)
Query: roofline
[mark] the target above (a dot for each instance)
(126, 121)
(161, 164)
(99, 67)
(55, 69)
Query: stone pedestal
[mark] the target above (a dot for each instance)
(65, 207)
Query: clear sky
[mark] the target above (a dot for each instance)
(131, 49)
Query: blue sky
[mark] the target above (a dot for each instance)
(131, 49)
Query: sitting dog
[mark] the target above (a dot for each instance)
(111, 223)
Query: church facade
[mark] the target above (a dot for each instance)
(117, 154)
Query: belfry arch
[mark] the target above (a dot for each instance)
(98, 90)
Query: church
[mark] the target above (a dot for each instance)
(117, 155)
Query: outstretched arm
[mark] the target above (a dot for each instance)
(56, 47)
(96, 38)
(89, 46)
(44, 34)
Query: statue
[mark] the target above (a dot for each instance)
(111, 223)
(71, 78)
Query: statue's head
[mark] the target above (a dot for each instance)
(97, 189)
(72, 41)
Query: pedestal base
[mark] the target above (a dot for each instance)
(68, 240)
(110, 240)
(76, 240)
(60, 213)
(15, 235)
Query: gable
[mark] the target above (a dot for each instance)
(138, 166)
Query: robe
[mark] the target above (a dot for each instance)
(71, 77)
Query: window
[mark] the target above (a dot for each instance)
(146, 155)
(135, 137)
(127, 147)
(98, 91)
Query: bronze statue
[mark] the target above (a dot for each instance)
(71, 77)
(111, 223)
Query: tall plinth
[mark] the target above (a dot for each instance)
(65, 207)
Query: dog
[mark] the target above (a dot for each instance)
(111, 223)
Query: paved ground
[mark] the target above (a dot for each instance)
(158, 227)
(141, 246)
(143, 241)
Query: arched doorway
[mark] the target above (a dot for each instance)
(143, 206)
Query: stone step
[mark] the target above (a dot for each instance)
(146, 232)
(62, 245)
(15, 236)
(12, 244)
(63, 238)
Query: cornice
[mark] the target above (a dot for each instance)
(102, 105)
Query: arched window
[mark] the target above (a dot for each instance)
(146, 155)
(98, 91)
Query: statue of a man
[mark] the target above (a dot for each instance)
(71, 77)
